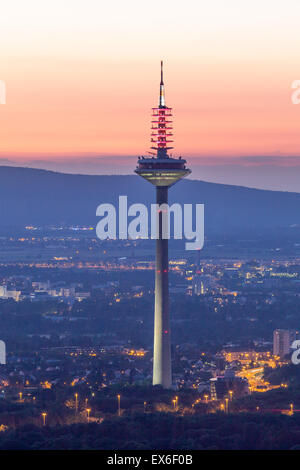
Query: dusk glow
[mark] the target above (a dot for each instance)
(82, 77)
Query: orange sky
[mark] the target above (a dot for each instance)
(82, 76)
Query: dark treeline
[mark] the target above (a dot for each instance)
(164, 431)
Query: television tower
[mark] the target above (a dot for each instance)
(162, 171)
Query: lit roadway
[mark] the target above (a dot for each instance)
(256, 381)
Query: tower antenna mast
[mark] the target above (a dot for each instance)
(162, 171)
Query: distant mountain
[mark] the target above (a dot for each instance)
(40, 197)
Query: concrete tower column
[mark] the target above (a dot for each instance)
(162, 374)
(162, 171)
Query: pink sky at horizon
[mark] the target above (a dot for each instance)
(82, 80)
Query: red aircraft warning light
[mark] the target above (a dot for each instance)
(161, 122)
(161, 128)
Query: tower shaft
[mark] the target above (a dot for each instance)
(162, 171)
(162, 374)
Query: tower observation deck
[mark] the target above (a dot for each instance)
(162, 171)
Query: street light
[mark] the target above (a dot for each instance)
(222, 407)
(88, 410)
(176, 400)
(206, 398)
(44, 418)
(20, 396)
(230, 394)
(145, 404)
(226, 401)
(119, 405)
(292, 408)
(76, 403)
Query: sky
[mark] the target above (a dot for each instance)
(81, 78)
